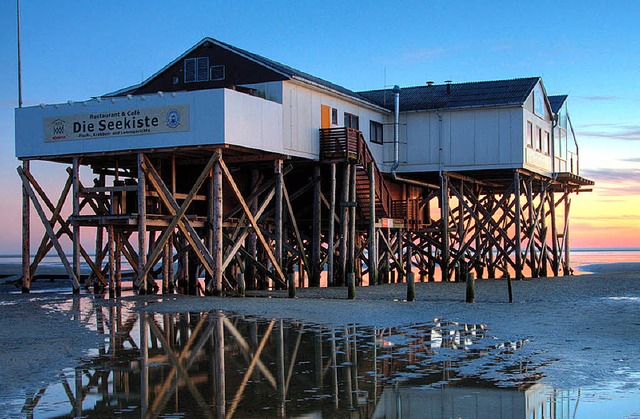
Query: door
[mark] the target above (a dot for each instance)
(325, 116)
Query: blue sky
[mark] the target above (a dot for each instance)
(591, 51)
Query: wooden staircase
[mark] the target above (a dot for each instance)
(349, 145)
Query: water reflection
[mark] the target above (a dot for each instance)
(217, 364)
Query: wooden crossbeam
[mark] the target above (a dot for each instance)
(45, 243)
(253, 222)
(237, 241)
(178, 220)
(64, 225)
(49, 229)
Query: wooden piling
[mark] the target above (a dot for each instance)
(344, 225)
(411, 276)
(351, 267)
(167, 261)
(567, 247)
(444, 220)
(332, 227)
(252, 239)
(142, 224)
(76, 211)
(241, 285)
(217, 228)
(373, 242)
(518, 226)
(112, 260)
(279, 215)
(471, 289)
(351, 286)
(26, 235)
(291, 279)
(314, 280)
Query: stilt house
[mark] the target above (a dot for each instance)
(252, 173)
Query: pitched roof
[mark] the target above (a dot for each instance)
(285, 70)
(556, 102)
(457, 95)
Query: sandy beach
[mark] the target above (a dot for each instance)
(582, 330)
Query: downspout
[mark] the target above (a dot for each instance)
(440, 164)
(554, 124)
(396, 144)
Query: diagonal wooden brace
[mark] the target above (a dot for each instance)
(48, 228)
(254, 224)
(178, 213)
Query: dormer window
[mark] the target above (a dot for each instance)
(216, 72)
(196, 69)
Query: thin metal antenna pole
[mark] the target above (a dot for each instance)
(19, 61)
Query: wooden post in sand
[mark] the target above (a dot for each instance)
(217, 228)
(332, 227)
(142, 223)
(373, 243)
(314, 280)
(344, 227)
(112, 260)
(76, 227)
(279, 216)
(26, 232)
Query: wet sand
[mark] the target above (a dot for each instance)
(589, 325)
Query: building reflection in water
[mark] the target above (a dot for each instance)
(220, 365)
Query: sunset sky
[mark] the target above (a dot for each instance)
(588, 50)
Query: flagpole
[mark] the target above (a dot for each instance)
(26, 207)
(19, 61)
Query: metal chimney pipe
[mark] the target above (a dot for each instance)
(396, 127)
(396, 144)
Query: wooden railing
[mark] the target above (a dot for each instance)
(349, 143)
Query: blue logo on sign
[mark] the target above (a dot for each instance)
(173, 118)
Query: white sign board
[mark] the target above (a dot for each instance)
(117, 123)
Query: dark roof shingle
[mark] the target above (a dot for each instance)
(460, 95)
(556, 102)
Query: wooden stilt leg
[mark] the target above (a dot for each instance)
(217, 228)
(351, 263)
(112, 260)
(316, 229)
(142, 224)
(444, 219)
(210, 233)
(118, 260)
(76, 212)
(518, 225)
(373, 243)
(252, 240)
(567, 247)
(344, 226)
(26, 232)
(332, 227)
(279, 213)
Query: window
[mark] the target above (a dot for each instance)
(196, 69)
(334, 116)
(375, 132)
(539, 105)
(351, 121)
(216, 72)
(529, 134)
(546, 144)
(539, 138)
